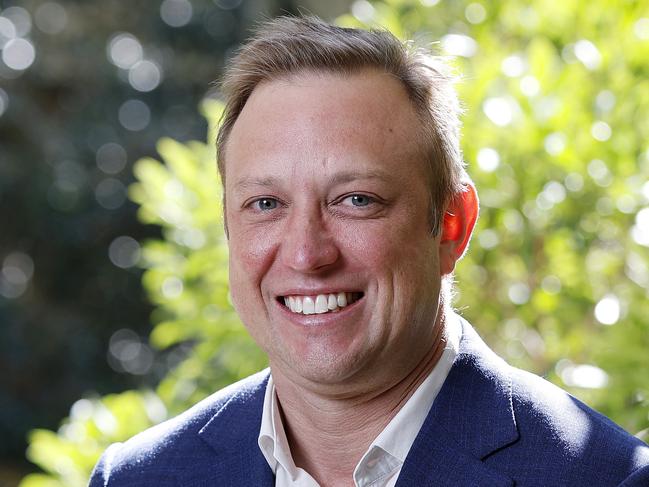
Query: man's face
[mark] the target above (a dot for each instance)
(333, 268)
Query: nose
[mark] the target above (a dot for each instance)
(308, 245)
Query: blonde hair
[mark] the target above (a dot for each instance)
(290, 45)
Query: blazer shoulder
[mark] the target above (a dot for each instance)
(532, 430)
(570, 433)
(173, 443)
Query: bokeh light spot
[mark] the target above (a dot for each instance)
(105, 420)
(637, 270)
(601, 131)
(513, 66)
(20, 18)
(81, 410)
(607, 310)
(144, 75)
(530, 86)
(488, 239)
(155, 408)
(111, 158)
(124, 50)
(15, 274)
(176, 13)
(554, 191)
(18, 54)
(645, 190)
(488, 159)
(582, 375)
(519, 293)
(172, 287)
(134, 115)
(604, 206)
(568, 54)
(551, 284)
(626, 203)
(51, 18)
(588, 54)
(500, 110)
(363, 10)
(459, 45)
(475, 13)
(598, 170)
(640, 231)
(7, 31)
(555, 143)
(124, 252)
(574, 182)
(127, 353)
(641, 28)
(605, 100)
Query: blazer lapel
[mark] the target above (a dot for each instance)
(232, 433)
(471, 418)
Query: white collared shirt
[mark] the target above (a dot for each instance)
(381, 464)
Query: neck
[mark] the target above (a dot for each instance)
(329, 435)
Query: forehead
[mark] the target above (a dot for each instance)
(324, 116)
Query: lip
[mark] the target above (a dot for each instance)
(323, 319)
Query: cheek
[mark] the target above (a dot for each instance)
(392, 248)
(251, 255)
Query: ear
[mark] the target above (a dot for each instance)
(459, 220)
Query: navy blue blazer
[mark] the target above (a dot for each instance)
(491, 425)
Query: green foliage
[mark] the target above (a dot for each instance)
(70, 454)
(557, 93)
(555, 135)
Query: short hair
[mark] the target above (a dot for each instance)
(292, 45)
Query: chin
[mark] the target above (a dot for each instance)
(323, 367)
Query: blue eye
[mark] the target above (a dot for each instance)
(360, 200)
(265, 204)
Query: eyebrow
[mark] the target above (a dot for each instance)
(338, 178)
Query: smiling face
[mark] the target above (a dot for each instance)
(333, 268)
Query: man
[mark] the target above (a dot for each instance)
(347, 207)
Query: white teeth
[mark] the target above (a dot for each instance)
(332, 302)
(308, 306)
(322, 303)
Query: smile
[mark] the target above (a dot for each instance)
(319, 304)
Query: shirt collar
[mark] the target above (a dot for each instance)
(272, 436)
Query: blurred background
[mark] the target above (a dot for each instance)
(114, 310)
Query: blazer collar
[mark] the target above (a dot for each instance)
(471, 418)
